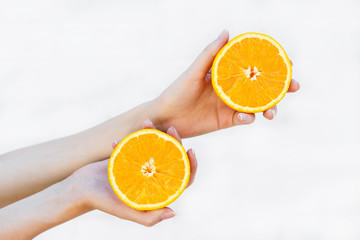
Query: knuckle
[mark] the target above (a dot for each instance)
(149, 222)
(208, 48)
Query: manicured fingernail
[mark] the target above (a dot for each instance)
(148, 121)
(208, 77)
(114, 144)
(193, 153)
(273, 112)
(174, 129)
(221, 35)
(167, 215)
(244, 117)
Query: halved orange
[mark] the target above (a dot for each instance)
(251, 73)
(148, 169)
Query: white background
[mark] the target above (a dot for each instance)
(68, 65)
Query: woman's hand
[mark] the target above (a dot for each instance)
(98, 194)
(191, 104)
(86, 189)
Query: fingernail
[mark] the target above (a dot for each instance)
(221, 35)
(174, 129)
(114, 143)
(273, 112)
(167, 215)
(192, 152)
(148, 121)
(244, 117)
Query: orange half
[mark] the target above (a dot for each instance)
(148, 169)
(251, 73)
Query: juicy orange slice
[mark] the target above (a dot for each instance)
(251, 73)
(148, 169)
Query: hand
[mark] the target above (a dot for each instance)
(192, 106)
(98, 194)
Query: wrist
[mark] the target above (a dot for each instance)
(50, 207)
(74, 198)
(149, 110)
(154, 112)
(97, 141)
(159, 113)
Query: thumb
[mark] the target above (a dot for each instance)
(240, 118)
(204, 61)
(152, 217)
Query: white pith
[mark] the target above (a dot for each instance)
(148, 169)
(253, 70)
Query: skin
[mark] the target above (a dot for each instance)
(86, 189)
(189, 104)
(29, 170)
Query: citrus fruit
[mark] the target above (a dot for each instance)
(251, 73)
(148, 169)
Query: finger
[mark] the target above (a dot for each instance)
(204, 61)
(208, 76)
(152, 217)
(240, 118)
(270, 113)
(294, 86)
(193, 166)
(172, 132)
(114, 144)
(147, 124)
(291, 63)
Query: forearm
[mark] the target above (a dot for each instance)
(31, 216)
(29, 170)
(101, 136)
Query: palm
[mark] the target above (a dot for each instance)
(199, 111)
(96, 184)
(101, 194)
(98, 193)
(191, 105)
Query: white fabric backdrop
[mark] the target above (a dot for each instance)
(68, 65)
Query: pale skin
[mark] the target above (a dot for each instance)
(86, 189)
(189, 104)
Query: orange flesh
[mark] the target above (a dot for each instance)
(270, 76)
(144, 181)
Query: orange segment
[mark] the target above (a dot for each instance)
(251, 73)
(148, 169)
